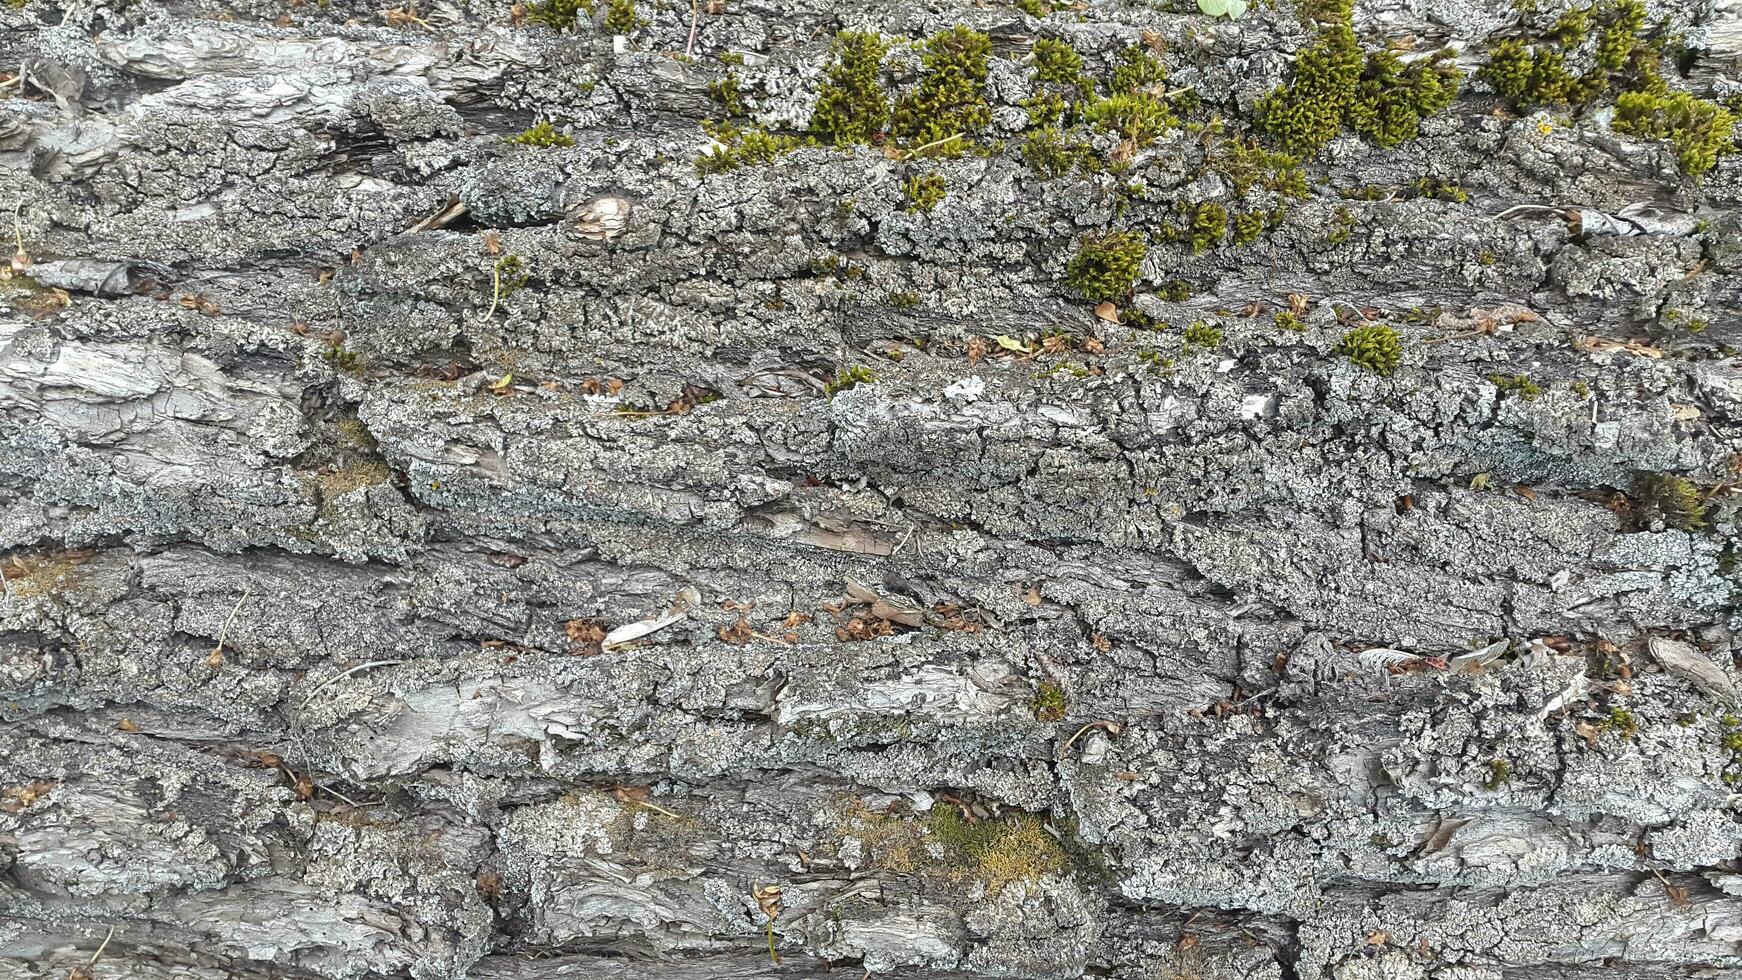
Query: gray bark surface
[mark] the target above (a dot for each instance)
(309, 544)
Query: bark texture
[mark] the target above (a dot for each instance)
(325, 545)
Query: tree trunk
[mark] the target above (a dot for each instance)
(428, 555)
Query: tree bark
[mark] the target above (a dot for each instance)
(379, 608)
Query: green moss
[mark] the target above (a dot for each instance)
(743, 147)
(1287, 320)
(1136, 116)
(1375, 347)
(1439, 190)
(727, 93)
(997, 852)
(850, 377)
(1342, 227)
(621, 18)
(1516, 385)
(1106, 266)
(559, 14)
(1049, 702)
(1621, 720)
(542, 134)
(1050, 154)
(1499, 774)
(1059, 63)
(904, 301)
(1675, 499)
(1699, 131)
(1247, 165)
(1175, 291)
(1627, 61)
(1581, 389)
(1209, 225)
(1248, 225)
(1334, 85)
(851, 108)
(1035, 8)
(1203, 334)
(950, 99)
(924, 191)
(1136, 70)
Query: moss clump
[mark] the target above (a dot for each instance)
(1106, 266)
(950, 100)
(727, 93)
(1137, 116)
(997, 853)
(542, 134)
(850, 377)
(1499, 774)
(1203, 334)
(1050, 154)
(561, 15)
(1247, 165)
(1034, 8)
(1516, 385)
(1248, 225)
(924, 191)
(1059, 63)
(1342, 227)
(1209, 225)
(1375, 347)
(1136, 70)
(1677, 500)
(904, 301)
(742, 147)
(621, 18)
(1049, 703)
(1626, 61)
(1698, 130)
(1438, 190)
(1287, 320)
(851, 107)
(1175, 291)
(1377, 96)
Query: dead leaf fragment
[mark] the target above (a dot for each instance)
(1108, 311)
(1685, 660)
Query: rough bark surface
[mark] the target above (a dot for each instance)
(1034, 658)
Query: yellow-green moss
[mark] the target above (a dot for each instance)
(1136, 116)
(851, 377)
(1209, 225)
(1049, 703)
(1248, 225)
(742, 147)
(1057, 62)
(1516, 385)
(1677, 500)
(621, 18)
(997, 853)
(1376, 347)
(1106, 266)
(1201, 333)
(542, 134)
(559, 14)
(924, 191)
(950, 99)
(1286, 320)
(1699, 131)
(852, 107)
(727, 92)
(1050, 154)
(1378, 95)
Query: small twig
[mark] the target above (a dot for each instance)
(98, 954)
(495, 289)
(656, 808)
(344, 674)
(1111, 726)
(218, 651)
(910, 154)
(695, 20)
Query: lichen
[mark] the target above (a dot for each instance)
(1374, 347)
(851, 107)
(1107, 265)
